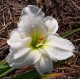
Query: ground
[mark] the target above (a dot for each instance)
(67, 12)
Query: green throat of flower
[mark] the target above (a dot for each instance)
(37, 41)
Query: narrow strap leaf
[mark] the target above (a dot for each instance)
(3, 62)
(70, 32)
(6, 72)
(53, 75)
(4, 68)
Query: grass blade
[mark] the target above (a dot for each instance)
(6, 72)
(53, 75)
(70, 32)
(3, 62)
(4, 68)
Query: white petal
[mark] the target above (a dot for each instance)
(15, 45)
(32, 10)
(60, 43)
(57, 54)
(31, 16)
(22, 52)
(19, 58)
(48, 18)
(24, 24)
(22, 58)
(32, 21)
(28, 25)
(58, 48)
(33, 56)
(51, 24)
(44, 65)
(15, 35)
(56, 34)
(17, 54)
(18, 39)
(36, 29)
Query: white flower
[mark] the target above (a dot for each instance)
(35, 41)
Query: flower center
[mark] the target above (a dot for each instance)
(38, 35)
(37, 42)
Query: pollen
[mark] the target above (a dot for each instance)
(40, 39)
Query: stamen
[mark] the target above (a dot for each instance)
(38, 42)
(40, 39)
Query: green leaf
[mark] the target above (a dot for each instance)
(3, 62)
(4, 68)
(28, 75)
(70, 32)
(6, 71)
(52, 75)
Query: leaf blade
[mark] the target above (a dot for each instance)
(70, 32)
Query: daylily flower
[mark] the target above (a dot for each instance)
(35, 41)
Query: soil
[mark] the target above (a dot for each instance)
(67, 12)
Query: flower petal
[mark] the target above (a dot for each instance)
(51, 24)
(32, 10)
(60, 43)
(33, 23)
(58, 48)
(17, 40)
(34, 56)
(15, 35)
(30, 16)
(44, 65)
(22, 58)
(57, 54)
(18, 58)
(15, 45)
(36, 29)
